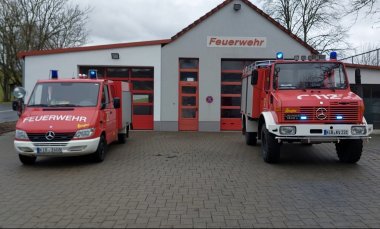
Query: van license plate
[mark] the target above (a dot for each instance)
(335, 132)
(49, 150)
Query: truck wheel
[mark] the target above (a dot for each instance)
(349, 150)
(251, 138)
(270, 148)
(100, 153)
(27, 160)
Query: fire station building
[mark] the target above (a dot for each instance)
(191, 82)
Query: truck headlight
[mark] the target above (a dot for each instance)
(85, 133)
(358, 130)
(20, 134)
(287, 130)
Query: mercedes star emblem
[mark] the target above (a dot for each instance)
(50, 135)
(321, 113)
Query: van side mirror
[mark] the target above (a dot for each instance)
(358, 77)
(15, 105)
(116, 102)
(254, 77)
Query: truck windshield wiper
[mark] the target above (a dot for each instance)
(38, 105)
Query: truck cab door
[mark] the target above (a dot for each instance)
(109, 115)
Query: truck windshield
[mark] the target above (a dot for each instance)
(309, 76)
(64, 94)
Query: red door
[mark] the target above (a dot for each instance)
(188, 95)
(188, 106)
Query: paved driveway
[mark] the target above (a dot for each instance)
(191, 180)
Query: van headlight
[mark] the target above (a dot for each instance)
(287, 130)
(358, 130)
(85, 133)
(21, 135)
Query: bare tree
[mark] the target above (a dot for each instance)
(317, 22)
(36, 25)
(370, 7)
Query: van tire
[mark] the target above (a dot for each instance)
(27, 160)
(101, 151)
(122, 138)
(251, 138)
(270, 148)
(349, 150)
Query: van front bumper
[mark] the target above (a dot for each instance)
(57, 149)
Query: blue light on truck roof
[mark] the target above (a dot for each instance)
(333, 55)
(339, 117)
(280, 56)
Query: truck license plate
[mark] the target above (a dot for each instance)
(335, 132)
(49, 150)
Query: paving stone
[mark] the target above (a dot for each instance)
(191, 180)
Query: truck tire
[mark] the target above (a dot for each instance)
(100, 153)
(349, 150)
(27, 160)
(270, 148)
(251, 138)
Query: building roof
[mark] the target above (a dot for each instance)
(363, 66)
(255, 8)
(167, 41)
(93, 48)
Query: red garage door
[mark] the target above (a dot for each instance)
(141, 81)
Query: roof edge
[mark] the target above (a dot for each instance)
(362, 66)
(92, 48)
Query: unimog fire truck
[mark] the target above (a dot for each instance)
(71, 117)
(305, 100)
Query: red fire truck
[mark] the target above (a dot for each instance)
(72, 117)
(306, 100)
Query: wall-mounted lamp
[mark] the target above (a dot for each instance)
(115, 56)
(237, 7)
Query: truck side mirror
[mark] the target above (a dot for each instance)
(116, 102)
(255, 76)
(358, 77)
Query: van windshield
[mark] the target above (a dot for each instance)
(309, 76)
(65, 94)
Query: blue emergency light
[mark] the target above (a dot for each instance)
(280, 56)
(333, 55)
(54, 74)
(339, 117)
(303, 117)
(93, 73)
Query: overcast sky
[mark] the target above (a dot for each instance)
(118, 21)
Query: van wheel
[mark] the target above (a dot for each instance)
(270, 148)
(100, 153)
(349, 150)
(27, 160)
(122, 137)
(251, 138)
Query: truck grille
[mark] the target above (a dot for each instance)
(59, 137)
(337, 113)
